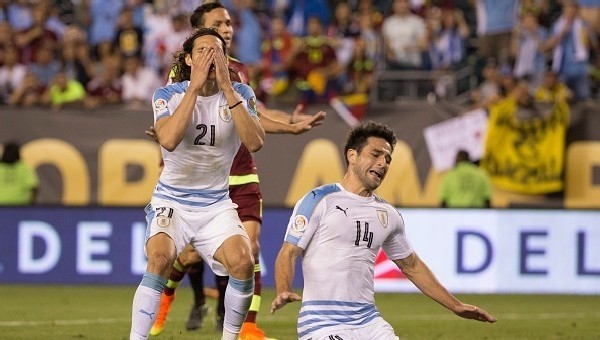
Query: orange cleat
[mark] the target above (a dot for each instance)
(161, 318)
(251, 332)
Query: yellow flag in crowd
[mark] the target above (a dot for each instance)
(526, 156)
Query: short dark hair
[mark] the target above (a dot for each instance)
(181, 69)
(357, 136)
(11, 153)
(197, 18)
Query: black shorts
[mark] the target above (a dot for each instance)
(249, 201)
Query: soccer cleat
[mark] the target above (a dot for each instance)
(196, 317)
(161, 318)
(251, 332)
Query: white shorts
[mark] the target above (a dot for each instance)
(205, 228)
(376, 329)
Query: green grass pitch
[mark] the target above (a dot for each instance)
(103, 312)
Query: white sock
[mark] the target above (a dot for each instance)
(145, 306)
(238, 297)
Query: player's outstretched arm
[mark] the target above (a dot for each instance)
(276, 121)
(285, 266)
(424, 279)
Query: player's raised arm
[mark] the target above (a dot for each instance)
(248, 127)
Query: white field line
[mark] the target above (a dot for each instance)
(276, 319)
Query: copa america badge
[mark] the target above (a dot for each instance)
(163, 221)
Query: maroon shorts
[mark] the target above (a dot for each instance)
(249, 201)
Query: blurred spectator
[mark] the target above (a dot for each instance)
(105, 88)
(466, 185)
(129, 38)
(19, 182)
(528, 47)
(300, 12)
(570, 42)
(45, 67)
(371, 37)
(590, 12)
(447, 49)
(20, 14)
(405, 38)
(28, 92)
(276, 58)
(76, 60)
(36, 37)
(495, 20)
(315, 66)
(552, 90)
(12, 73)
(447, 46)
(6, 34)
(538, 8)
(160, 36)
(489, 90)
(359, 78)
(366, 7)
(139, 82)
(103, 16)
(247, 39)
(341, 33)
(64, 92)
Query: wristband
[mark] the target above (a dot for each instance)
(234, 105)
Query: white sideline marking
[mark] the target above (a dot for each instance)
(275, 318)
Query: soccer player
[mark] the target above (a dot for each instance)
(200, 122)
(338, 229)
(244, 190)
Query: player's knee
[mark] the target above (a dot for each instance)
(242, 266)
(188, 259)
(160, 262)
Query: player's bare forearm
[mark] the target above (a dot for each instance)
(170, 130)
(276, 121)
(284, 274)
(423, 278)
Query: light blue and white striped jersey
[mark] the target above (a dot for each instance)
(196, 173)
(341, 233)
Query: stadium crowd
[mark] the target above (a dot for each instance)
(97, 52)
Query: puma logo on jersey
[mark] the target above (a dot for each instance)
(343, 210)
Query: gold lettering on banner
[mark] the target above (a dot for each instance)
(69, 162)
(114, 157)
(580, 191)
(320, 163)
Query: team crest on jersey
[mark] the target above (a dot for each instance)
(160, 105)
(383, 217)
(299, 226)
(225, 113)
(163, 221)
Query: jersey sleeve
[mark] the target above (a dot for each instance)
(305, 220)
(397, 246)
(163, 103)
(248, 97)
